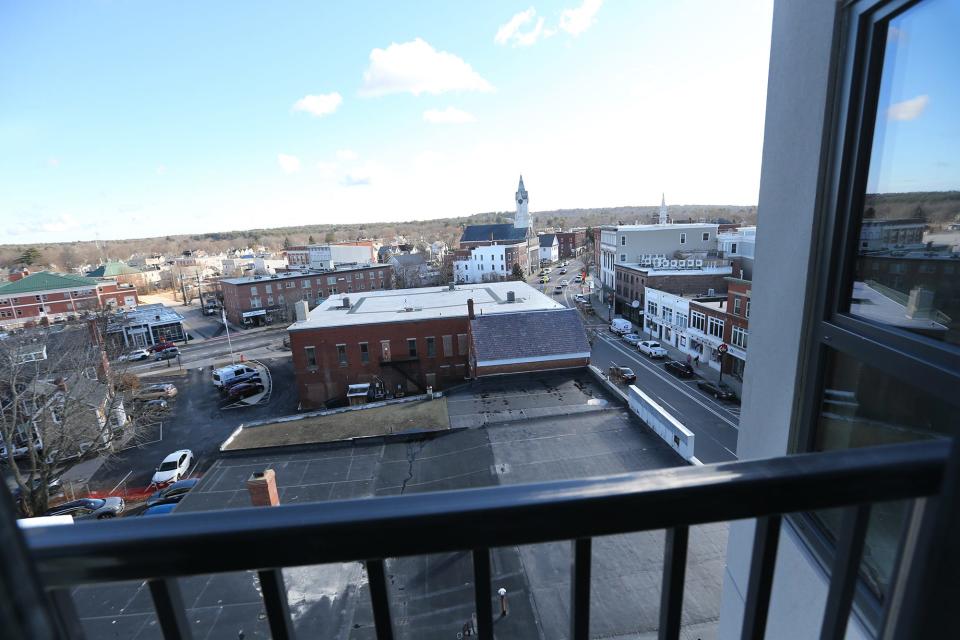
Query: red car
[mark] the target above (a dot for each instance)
(161, 346)
(244, 390)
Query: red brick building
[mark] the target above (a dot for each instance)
(735, 331)
(257, 300)
(572, 243)
(631, 280)
(33, 298)
(399, 341)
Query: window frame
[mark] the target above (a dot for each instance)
(851, 111)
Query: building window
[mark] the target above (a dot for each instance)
(291, 284)
(255, 303)
(623, 257)
(746, 312)
(342, 355)
(706, 237)
(311, 354)
(698, 321)
(683, 238)
(447, 346)
(269, 301)
(306, 284)
(462, 344)
(412, 347)
(623, 241)
(268, 288)
(733, 247)
(668, 315)
(253, 291)
(739, 337)
(715, 327)
(652, 308)
(736, 305)
(364, 353)
(431, 347)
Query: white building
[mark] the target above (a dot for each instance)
(328, 256)
(549, 247)
(666, 317)
(739, 245)
(483, 264)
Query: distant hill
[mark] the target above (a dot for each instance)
(67, 255)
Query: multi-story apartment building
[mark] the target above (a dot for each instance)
(633, 279)
(46, 296)
(409, 339)
(257, 300)
(488, 263)
(328, 256)
(571, 243)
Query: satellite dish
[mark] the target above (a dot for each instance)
(635, 304)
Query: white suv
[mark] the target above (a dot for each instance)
(652, 349)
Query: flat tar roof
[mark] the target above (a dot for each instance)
(285, 275)
(427, 303)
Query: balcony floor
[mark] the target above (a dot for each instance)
(431, 596)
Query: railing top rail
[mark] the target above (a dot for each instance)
(340, 531)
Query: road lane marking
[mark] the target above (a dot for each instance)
(682, 389)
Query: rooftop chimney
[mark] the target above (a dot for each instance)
(470, 313)
(262, 486)
(346, 302)
(920, 303)
(301, 309)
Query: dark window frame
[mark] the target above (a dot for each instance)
(852, 103)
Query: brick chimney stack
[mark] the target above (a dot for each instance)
(470, 313)
(262, 486)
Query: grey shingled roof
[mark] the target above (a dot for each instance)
(528, 335)
(548, 239)
(409, 259)
(487, 232)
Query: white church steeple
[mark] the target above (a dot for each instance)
(522, 219)
(663, 209)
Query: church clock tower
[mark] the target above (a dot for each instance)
(522, 220)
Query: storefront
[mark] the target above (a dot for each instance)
(255, 318)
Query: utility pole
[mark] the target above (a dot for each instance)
(200, 289)
(223, 314)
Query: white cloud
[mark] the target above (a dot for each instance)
(450, 115)
(161, 169)
(510, 33)
(289, 164)
(356, 179)
(908, 109)
(347, 155)
(320, 105)
(416, 67)
(576, 21)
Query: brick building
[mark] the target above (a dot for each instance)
(572, 243)
(257, 300)
(632, 279)
(404, 340)
(328, 256)
(735, 331)
(30, 298)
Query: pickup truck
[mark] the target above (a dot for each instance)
(652, 349)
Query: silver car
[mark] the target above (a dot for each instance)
(89, 508)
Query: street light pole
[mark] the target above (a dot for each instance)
(223, 314)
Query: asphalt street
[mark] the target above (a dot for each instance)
(714, 422)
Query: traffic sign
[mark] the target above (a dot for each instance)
(722, 348)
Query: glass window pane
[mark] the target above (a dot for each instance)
(862, 407)
(906, 272)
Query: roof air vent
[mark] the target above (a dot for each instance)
(511, 296)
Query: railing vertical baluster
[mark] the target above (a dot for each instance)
(481, 593)
(671, 592)
(761, 577)
(377, 577)
(67, 616)
(171, 614)
(275, 601)
(580, 589)
(843, 574)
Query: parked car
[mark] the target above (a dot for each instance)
(557, 290)
(167, 354)
(161, 346)
(564, 270)
(564, 282)
(652, 348)
(718, 390)
(244, 390)
(247, 376)
(578, 279)
(223, 375)
(133, 356)
(622, 374)
(679, 369)
(174, 467)
(620, 326)
(156, 405)
(156, 391)
(580, 298)
(159, 509)
(631, 339)
(89, 508)
(174, 492)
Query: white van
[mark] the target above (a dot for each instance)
(224, 375)
(620, 326)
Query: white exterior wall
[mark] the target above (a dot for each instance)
(670, 324)
(627, 244)
(800, 59)
(745, 240)
(484, 262)
(551, 253)
(320, 256)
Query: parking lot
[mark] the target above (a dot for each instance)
(196, 420)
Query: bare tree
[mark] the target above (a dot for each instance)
(61, 402)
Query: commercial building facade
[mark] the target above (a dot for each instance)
(256, 300)
(328, 256)
(402, 341)
(571, 243)
(634, 279)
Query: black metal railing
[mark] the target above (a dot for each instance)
(371, 530)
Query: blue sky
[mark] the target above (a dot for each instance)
(124, 119)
